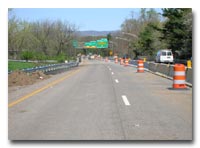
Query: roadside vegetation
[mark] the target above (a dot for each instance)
(12, 65)
(40, 40)
(170, 29)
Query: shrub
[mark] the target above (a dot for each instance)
(40, 56)
(27, 55)
(60, 58)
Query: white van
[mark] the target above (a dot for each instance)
(164, 56)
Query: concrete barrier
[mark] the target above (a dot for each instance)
(153, 67)
(165, 69)
(171, 71)
(189, 74)
(146, 65)
(133, 62)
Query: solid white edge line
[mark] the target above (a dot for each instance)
(126, 102)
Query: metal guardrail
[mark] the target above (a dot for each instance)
(50, 67)
(34, 61)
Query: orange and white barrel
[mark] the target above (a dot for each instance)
(179, 76)
(121, 61)
(126, 62)
(106, 60)
(140, 67)
(116, 60)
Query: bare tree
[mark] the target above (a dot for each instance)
(63, 36)
(49, 38)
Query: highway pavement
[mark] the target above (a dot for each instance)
(103, 101)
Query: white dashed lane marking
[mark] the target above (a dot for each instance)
(124, 98)
(116, 81)
(126, 102)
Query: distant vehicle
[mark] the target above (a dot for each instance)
(91, 57)
(164, 56)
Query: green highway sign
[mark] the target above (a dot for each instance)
(75, 44)
(102, 43)
(91, 44)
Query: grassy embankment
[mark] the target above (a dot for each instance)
(12, 65)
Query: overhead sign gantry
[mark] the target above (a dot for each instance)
(102, 43)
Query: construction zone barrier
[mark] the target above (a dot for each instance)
(126, 62)
(121, 61)
(116, 60)
(163, 68)
(106, 60)
(166, 70)
(189, 76)
(179, 76)
(140, 67)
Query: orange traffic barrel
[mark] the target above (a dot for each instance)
(140, 67)
(106, 60)
(179, 76)
(116, 60)
(121, 61)
(126, 62)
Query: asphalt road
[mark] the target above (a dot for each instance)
(103, 101)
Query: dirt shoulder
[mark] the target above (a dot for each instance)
(20, 78)
(21, 84)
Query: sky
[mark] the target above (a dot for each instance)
(99, 19)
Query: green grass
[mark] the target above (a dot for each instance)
(12, 65)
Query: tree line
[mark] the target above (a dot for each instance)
(40, 40)
(171, 29)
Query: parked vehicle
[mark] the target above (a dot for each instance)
(164, 56)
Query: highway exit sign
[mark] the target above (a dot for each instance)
(102, 43)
